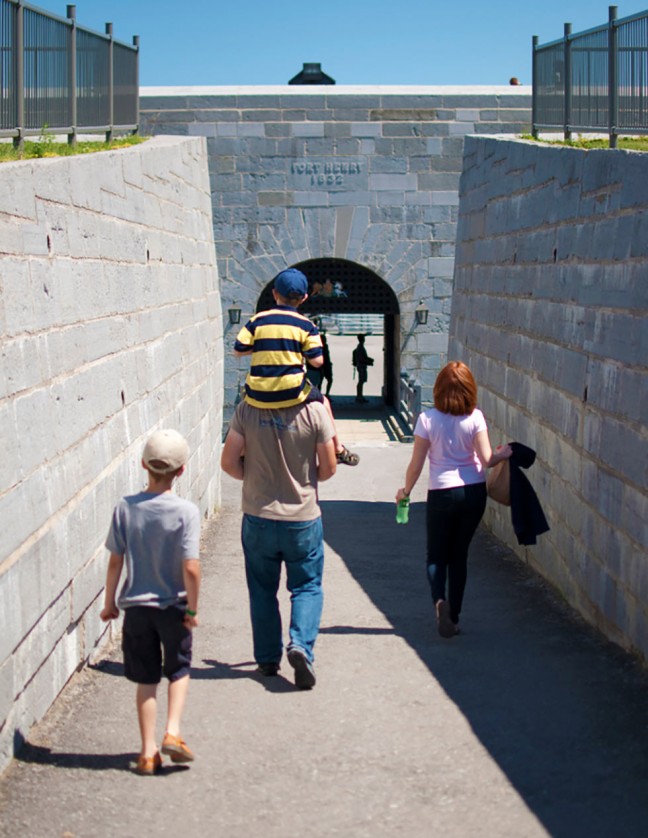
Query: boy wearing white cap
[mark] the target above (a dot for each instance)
(156, 534)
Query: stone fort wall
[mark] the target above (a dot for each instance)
(111, 327)
(365, 174)
(550, 311)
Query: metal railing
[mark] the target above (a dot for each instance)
(354, 324)
(594, 81)
(61, 78)
(409, 400)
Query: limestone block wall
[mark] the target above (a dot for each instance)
(364, 174)
(111, 327)
(549, 310)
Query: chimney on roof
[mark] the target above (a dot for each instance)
(311, 74)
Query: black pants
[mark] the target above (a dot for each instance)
(453, 515)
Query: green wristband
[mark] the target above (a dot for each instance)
(190, 612)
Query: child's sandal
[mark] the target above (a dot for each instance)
(347, 457)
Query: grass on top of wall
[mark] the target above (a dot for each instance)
(627, 143)
(48, 146)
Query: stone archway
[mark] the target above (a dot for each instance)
(338, 286)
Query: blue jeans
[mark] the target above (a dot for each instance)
(300, 544)
(453, 515)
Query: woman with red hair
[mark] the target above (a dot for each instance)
(454, 438)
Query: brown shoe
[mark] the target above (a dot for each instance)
(176, 748)
(148, 765)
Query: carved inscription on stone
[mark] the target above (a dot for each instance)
(325, 174)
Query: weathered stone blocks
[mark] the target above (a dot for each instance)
(394, 137)
(550, 312)
(112, 322)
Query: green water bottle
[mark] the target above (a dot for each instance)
(402, 511)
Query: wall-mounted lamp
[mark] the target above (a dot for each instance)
(234, 316)
(421, 314)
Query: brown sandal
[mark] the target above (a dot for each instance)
(347, 457)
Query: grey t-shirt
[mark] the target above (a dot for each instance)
(155, 533)
(280, 470)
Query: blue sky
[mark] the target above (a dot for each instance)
(359, 42)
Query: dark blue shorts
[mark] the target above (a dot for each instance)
(315, 395)
(155, 642)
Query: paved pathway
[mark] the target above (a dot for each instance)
(525, 725)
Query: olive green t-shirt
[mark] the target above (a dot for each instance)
(280, 469)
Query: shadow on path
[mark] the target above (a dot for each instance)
(210, 670)
(562, 711)
(40, 755)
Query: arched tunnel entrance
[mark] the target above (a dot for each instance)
(341, 287)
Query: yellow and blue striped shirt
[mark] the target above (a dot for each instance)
(280, 340)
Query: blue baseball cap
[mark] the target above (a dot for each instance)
(291, 283)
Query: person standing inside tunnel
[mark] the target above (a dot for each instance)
(318, 375)
(361, 361)
(453, 437)
(327, 367)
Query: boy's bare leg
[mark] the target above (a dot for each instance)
(336, 439)
(339, 447)
(146, 715)
(177, 697)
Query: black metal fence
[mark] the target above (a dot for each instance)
(61, 78)
(594, 81)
